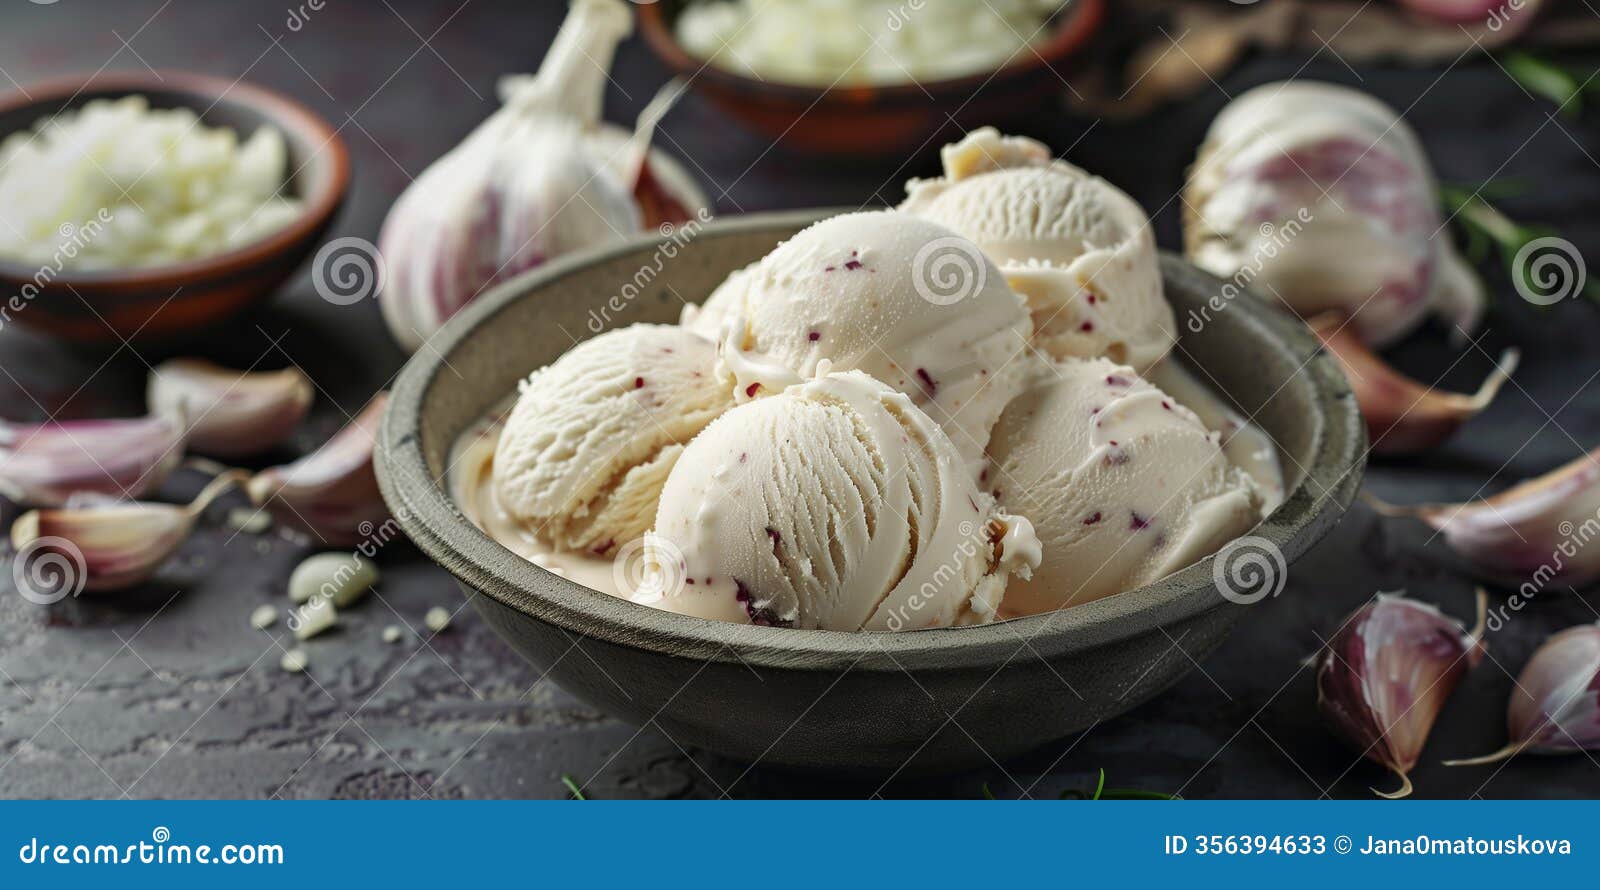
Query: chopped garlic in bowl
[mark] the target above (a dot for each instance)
(852, 42)
(117, 184)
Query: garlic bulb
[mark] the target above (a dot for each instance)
(1537, 529)
(231, 413)
(542, 177)
(1321, 197)
(112, 545)
(1383, 678)
(1402, 415)
(331, 492)
(45, 464)
(1555, 703)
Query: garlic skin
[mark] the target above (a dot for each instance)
(1383, 678)
(1537, 528)
(1321, 196)
(45, 464)
(232, 413)
(542, 177)
(122, 543)
(1555, 703)
(1404, 416)
(332, 493)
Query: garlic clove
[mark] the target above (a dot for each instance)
(1555, 703)
(332, 492)
(113, 545)
(1403, 416)
(1383, 678)
(524, 187)
(45, 464)
(232, 413)
(1536, 529)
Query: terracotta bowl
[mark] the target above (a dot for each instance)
(164, 301)
(858, 702)
(885, 120)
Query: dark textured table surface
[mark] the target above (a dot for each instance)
(166, 691)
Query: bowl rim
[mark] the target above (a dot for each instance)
(282, 111)
(1078, 24)
(430, 518)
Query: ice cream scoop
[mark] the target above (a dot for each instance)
(1077, 248)
(1321, 197)
(836, 504)
(904, 300)
(589, 443)
(1247, 445)
(1123, 484)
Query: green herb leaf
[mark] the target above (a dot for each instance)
(987, 794)
(1547, 79)
(572, 786)
(1101, 785)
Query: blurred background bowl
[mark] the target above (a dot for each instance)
(853, 702)
(881, 120)
(181, 298)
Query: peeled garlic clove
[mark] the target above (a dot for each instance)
(1403, 416)
(231, 413)
(45, 464)
(524, 187)
(1537, 529)
(331, 492)
(1555, 703)
(1385, 675)
(341, 578)
(113, 545)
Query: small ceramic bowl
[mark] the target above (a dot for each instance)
(860, 702)
(887, 120)
(164, 301)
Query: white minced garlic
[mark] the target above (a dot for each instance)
(848, 42)
(126, 185)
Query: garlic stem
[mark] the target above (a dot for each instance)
(573, 76)
(215, 489)
(1509, 751)
(1403, 791)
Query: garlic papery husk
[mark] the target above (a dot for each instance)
(1321, 197)
(1404, 416)
(1542, 530)
(522, 188)
(332, 493)
(1384, 676)
(231, 413)
(43, 465)
(111, 544)
(1555, 703)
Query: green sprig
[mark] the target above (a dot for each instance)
(1486, 227)
(572, 786)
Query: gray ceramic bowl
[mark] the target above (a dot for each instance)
(932, 699)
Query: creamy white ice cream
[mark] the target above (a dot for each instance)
(836, 504)
(1247, 445)
(1123, 484)
(592, 437)
(1078, 249)
(904, 300)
